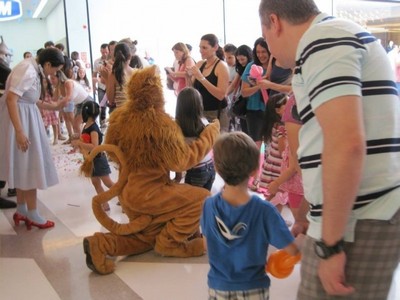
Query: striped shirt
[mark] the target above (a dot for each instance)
(271, 169)
(337, 58)
(120, 96)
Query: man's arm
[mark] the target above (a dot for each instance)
(343, 156)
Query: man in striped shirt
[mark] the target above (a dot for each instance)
(349, 149)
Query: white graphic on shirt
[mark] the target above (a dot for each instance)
(230, 234)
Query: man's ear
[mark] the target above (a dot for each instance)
(275, 23)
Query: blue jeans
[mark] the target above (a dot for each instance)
(202, 176)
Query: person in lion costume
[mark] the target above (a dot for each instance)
(147, 144)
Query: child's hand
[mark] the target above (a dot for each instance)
(75, 143)
(299, 241)
(299, 228)
(273, 188)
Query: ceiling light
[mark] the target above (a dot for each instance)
(39, 9)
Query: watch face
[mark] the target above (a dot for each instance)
(320, 250)
(323, 251)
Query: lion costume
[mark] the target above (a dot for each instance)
(147, 144)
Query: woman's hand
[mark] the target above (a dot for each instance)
(22, 141)
(195, 72)
(264, 84)
(105, 71)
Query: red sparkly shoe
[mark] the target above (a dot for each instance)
(29, 224)
(17, 217)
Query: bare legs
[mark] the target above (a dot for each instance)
(97, 183)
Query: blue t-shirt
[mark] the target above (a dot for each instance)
(255, 101)
(237, 241)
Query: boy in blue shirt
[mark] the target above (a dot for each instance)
(238, 227)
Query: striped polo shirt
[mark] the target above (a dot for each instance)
(335, 58)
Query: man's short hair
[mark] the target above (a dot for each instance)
(236, 156)
(49, 44)
(294, 12)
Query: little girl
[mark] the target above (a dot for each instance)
(91, 137)
(50, 117)
(275, 142)
(189, 116)
(83, 80)
(290, 179)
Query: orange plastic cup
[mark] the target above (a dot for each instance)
(280, 264)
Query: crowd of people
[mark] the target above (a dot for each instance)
(321, 110)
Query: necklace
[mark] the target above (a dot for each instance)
(209, 66)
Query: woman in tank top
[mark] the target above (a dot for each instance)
(211, 78)
(121, 72)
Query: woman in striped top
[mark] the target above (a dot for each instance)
(121, 72)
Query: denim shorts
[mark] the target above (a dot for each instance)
(100, 166)
(78, 107)
(202, 175)
(69, 108)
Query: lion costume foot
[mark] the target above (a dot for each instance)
(194, 247)
(95, 259)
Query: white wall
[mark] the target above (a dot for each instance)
(23, 35)
(30, 34)
(55, 24)
(157, 25)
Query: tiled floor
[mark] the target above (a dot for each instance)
(50, 264)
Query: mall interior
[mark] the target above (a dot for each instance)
(50, 264)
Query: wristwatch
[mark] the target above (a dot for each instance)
(324, 251)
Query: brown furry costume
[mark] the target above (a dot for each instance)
(147, 144)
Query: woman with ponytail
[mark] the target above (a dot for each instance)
(121, 72)
(25, 157)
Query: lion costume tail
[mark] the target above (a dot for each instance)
(121, 229)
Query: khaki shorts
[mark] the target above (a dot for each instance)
(255, 294)
(371, 262)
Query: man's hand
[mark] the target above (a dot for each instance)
(331, 273)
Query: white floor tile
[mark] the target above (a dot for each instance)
(394, 293)
(169, 281)
(24, 280)
(5, 227)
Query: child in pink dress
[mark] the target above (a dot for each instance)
(275, 141)
(50, 117)
(289, 180)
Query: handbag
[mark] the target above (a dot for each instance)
(170, 82)
(239, 106)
